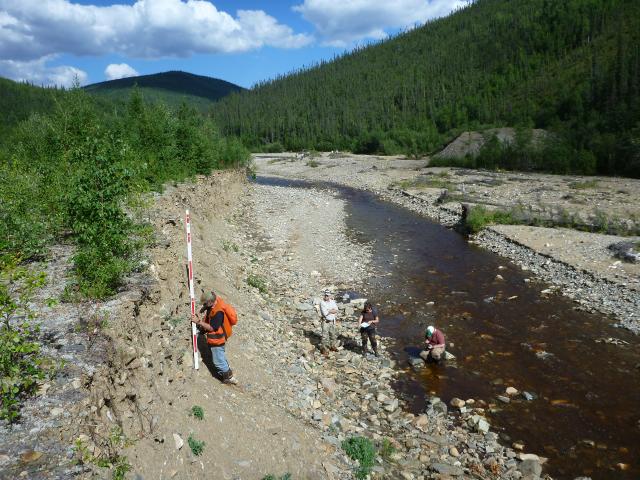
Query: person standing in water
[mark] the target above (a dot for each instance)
(368, 321)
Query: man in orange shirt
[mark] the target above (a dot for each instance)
(219, 317)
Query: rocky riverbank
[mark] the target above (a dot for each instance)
(346, 394)
(263, 249)
(577, 264)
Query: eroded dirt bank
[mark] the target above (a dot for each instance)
(578, 264)
(152, 387)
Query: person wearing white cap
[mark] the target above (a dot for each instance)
(436, 345)
(329, 314)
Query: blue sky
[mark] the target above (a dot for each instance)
(242, 41)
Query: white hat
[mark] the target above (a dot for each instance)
(430, 330)
(327, 292)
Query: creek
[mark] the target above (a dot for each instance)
(585, 417)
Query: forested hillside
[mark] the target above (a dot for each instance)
(570, 66)
(18, 101)
(171, 88)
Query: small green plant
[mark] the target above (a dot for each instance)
(286, 476)
(174, 321)
(386, 449)
(196, 446)
(230, 246)
(197, 412)
(312, 164)
(257, 282)
(362, 450)
(111, 459)
(52, 302)
(587, 184)
(602, 223)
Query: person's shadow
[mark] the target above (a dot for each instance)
(207, 359)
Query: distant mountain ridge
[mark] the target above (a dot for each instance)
(171, 87)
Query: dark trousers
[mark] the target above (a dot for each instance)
(369, 333)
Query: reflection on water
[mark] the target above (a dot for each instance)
(586, 408)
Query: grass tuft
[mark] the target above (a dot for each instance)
(197, 412)
(196, 446)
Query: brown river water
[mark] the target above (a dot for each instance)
(585, 417)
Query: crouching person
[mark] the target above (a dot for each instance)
(436, 345)
(216, 324)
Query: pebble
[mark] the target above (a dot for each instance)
(177, 439)
(30, 456)
(56, 412)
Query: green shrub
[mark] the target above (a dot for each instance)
(312, 164)
(196, 446)
(21, 365)
(74, 171)
(286, 476)
(257, 282)
(479, 217)
(197, 412)
(362, 450)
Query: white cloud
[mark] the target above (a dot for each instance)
(119, 70)
(31, 29)
(340, 22)
(38, 73)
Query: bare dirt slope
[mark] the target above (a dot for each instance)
(470, 143)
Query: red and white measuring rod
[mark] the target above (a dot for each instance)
(194, 332)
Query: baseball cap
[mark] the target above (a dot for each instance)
(207, 297)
